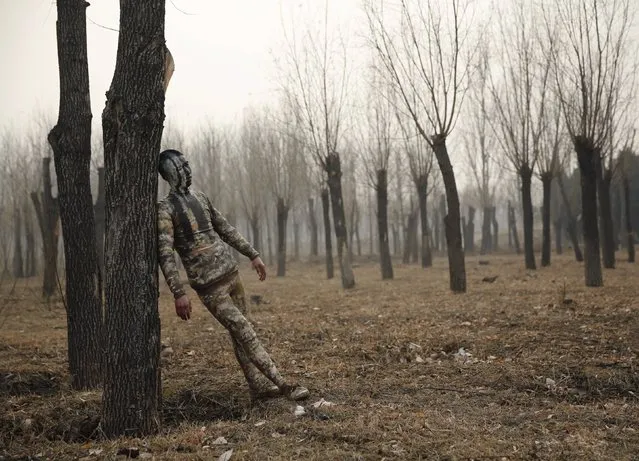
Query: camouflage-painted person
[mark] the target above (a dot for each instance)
(188, 223)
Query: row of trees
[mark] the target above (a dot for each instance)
(558, 83)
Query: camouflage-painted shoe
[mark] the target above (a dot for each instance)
(295, 392)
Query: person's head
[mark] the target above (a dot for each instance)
(175, 170)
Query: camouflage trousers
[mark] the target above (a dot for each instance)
(226, 301)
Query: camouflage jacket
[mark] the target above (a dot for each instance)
(189, 224)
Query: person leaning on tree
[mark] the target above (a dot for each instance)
(188, 223)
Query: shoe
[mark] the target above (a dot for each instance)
(295, 392)
(270, 392)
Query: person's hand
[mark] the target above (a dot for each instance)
(183, 307)
(259, 267)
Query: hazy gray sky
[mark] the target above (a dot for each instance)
(222, 51)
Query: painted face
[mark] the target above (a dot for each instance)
(175, 170)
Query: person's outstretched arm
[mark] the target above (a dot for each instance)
(166, 255)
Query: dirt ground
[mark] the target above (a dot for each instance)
(531, 366)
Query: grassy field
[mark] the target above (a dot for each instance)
(532, 366)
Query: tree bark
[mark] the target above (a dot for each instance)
(442, 221)
(371, 243)
(70, 140)
(604, 180)
(437, 220)
(546, 181)
(254, 222)
(587, 158)
(559, 231)
(630, 242)
(282, 221)
(421, 183)
(334, 172)
(571, 222)
(328, 241)
(47, 212)
(469, 231)
(29, 232)
(381, 189)
(525, 173)
(409, 230)
(312, 219)
(456, 261)
(269, 237)
(132, 125)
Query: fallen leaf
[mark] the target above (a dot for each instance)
(321, 403)
(299, 410)
(260, 423)
(220, 441)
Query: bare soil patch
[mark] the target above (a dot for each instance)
(527, 365)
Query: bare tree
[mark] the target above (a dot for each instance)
(375, 149)
(70, 140)
(626, 158)
(316, 87)
(592, 39)
(284, 169)
(424, 64)
(481, 148)
(132, 123)
(519, 89)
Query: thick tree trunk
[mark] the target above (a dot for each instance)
(18, 261)
(630, 242)
(409, 239)
(421, 183)
(571, 222)
(282, 222)
(98, 211)
(334, 172)
(312, 220)
(604, 179)
(456, 261)
(512, 224)
(46, 207)
(132, 125)
(70, 140)
(546, 181)
(328, 242)
(525, 173)
(381, 188)
(587, 158)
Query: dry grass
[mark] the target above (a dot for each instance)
(551, 374)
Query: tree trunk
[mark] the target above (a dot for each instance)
(546, 181)
(282, 221)
(18, 262)
(409, 230)
(421, 183)
(586, 157)
(442, 221)
(469, 230)
(334, 172)
(371, 243)
(328, 242)
(98, 211)
(312, 219)
(627, 211)
(396, 245)
(46, 207)
(437, 220)
(381, 189)
(616, 202)
(604, 179)
(254, 222)
(495, 223)
(486, 237)
(456, 262)
(525, 173)
(132, 125)
(512, 224)
(296, 238)
(571, 222)
(70, 140)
